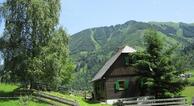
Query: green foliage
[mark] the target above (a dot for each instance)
(34, 48)
(157, 67)
(56, 63)
(189, 52)
(53, 66)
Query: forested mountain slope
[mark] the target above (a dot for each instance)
(91, 48)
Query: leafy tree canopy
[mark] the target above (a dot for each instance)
(35, 49)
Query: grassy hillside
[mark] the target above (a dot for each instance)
(91, 48)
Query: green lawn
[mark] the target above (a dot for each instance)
(189, 93)
(17, 103)
(79, 99)
(6, 89)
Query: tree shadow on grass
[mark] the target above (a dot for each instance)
(90, 101)
(6, 94)
(7, 99)
(22, 92)
(18, 100)
(16, 92)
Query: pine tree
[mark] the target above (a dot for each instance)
(159, 76)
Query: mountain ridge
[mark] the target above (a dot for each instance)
(162, 22)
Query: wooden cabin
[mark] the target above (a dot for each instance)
(116, 79)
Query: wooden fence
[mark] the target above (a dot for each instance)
(9, 98)
(43, 96)
(193, 101)
(155, 102)
(50, 99)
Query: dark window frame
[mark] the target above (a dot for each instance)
(121, 85)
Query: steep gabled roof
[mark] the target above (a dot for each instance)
(109, 63)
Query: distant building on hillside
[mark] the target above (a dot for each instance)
(116, 79)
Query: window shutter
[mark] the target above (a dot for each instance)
(117, 85)
(126, 84)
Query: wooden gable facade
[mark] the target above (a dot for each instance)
(116, 79)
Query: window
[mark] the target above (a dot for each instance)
(121, 85)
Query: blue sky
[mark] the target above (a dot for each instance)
(77, 15)
(81, 14)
